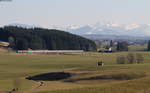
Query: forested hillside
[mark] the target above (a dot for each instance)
(39, 38)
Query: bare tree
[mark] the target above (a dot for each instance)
(121, 60)
(17, 85)
(139, 58)
(131, 58)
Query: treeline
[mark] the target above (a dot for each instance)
(120, 45)
(130, 58)
(39, 38)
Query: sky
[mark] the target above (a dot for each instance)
(74, 12)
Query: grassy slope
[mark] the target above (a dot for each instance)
(18, 67)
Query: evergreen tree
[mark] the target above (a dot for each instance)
(122, 46)
(148, 47)
(21, 44)
(36, 43)
(111, 43)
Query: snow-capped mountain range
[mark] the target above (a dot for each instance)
(101, 29)
(113, 29)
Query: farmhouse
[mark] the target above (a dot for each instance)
(48, 51)
(109, 50)
(4, 44)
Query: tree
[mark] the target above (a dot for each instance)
(139, 58)
(122, 46)
(17, 85)
(22, 44)
(111, 43)
(148, 47)
(36, 43)
(11, 41)
(121, 60)
(131, 58)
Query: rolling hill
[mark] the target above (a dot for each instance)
(45, 39)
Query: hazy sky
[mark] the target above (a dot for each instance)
(79, 12)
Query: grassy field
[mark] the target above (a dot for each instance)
(127, 78)
(137, 47)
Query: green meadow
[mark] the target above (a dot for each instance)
(123, 78)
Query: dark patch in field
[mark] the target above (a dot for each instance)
(113, 77)
(53, 76)
(89, 78)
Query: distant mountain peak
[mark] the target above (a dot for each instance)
(132, 26)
